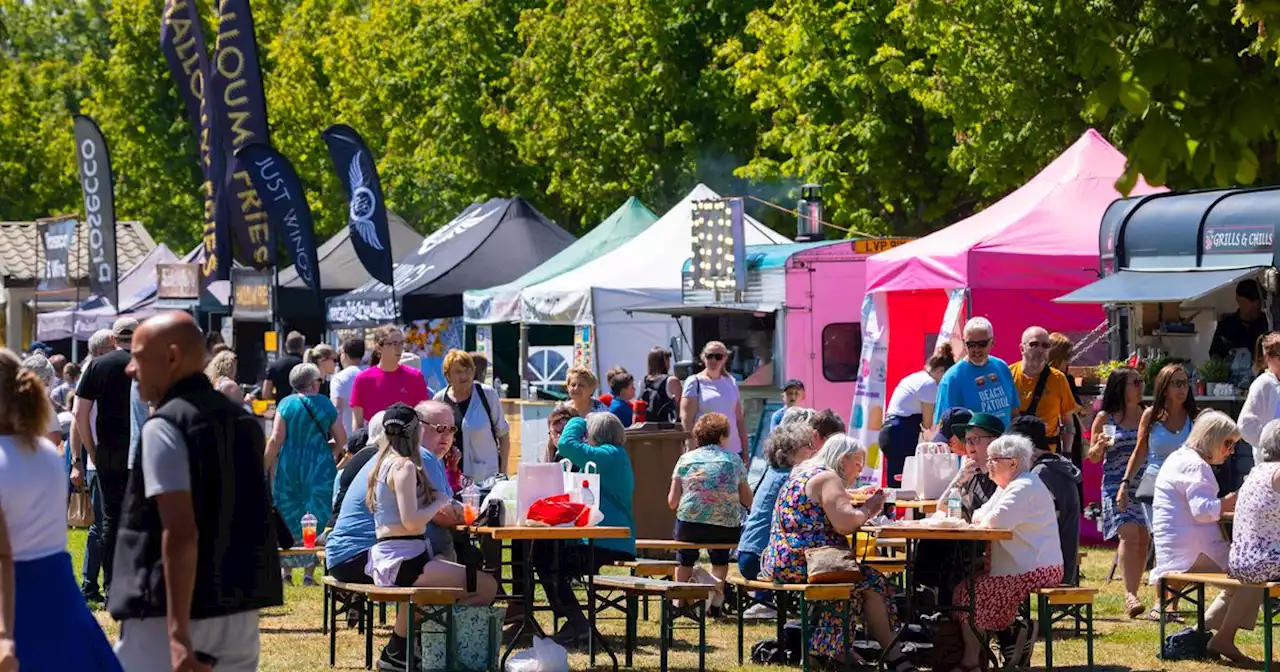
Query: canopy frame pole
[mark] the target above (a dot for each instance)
(524, 361)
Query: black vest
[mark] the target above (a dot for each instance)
(238, 567)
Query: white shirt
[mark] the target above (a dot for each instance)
(717, 396)
(1187, 510)
(479, 449)
(1260, 407)
(911, 395)
(33, 495)
(1026, 507)
(340, 387)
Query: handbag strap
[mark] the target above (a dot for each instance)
(324, 433)
(1041, 382)
(484, 401)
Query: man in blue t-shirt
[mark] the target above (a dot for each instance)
(979, 382)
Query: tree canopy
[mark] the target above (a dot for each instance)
(911, 113)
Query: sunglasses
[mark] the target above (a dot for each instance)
(715, 356)
(1180, 383)
(441, 429)
(977, 439)
(978, 344)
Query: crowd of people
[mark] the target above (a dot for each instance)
(187, 486)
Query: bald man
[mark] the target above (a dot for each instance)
(196, 556)
(1043, 391)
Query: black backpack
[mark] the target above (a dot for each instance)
(661, 407)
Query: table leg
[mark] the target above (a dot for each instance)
(528, 622)
(909, 607)
(591, 608)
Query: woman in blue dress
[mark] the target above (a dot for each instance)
(44, 621)
(1115, 436)
(300, 451)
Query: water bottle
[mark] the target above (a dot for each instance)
(309, 531)
(588, 497)
(955, 505)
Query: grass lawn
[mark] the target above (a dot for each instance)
(292, 640)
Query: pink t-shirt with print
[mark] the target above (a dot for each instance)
(376, 390)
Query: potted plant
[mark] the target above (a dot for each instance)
(1216, 374)
(1105, 369)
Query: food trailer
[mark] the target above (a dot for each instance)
(798, 317)
(1170, 263)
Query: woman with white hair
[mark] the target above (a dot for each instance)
(39, 365)
(1255, 543)
(814, 510)
(599, 438)
(1031, 560)
(300, 452)
(979, 382)
(1187, 512)
(790, 444)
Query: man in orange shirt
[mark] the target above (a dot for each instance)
(1043, 390)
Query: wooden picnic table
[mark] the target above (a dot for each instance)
(527, 535)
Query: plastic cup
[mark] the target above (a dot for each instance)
(470, 507)
(308, 535)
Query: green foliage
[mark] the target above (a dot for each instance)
(912, 113)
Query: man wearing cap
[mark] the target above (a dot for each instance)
(1043, 391)
(951, 418)
(792, 394)
(1062, 478)
(1243, 328)
(105, 388)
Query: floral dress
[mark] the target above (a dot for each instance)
(799, 523)
(1114, 464)
(1255, 546)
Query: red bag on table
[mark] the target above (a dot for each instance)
(558, 510)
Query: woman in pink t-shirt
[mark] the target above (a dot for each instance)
(378, 387)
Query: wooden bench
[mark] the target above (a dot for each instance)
(1189, 586)
(429, 605)
(804, 593)
(660, 569)
(694, 598)
(1061, 602)
(672, 545)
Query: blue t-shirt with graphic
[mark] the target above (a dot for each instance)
(982, 389)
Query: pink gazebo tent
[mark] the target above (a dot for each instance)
(1014, 258)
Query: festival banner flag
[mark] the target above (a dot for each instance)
(366, 211)
(99, 207)
(235, 82)
(57, 238)
(285, 201)
(182, 41)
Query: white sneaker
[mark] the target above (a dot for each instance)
(760, 612)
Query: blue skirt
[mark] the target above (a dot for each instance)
(54, 629)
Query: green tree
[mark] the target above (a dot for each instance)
(622, 97)
(822, 76)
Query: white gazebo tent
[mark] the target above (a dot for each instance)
(645, 272)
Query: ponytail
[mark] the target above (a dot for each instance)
(24, 403)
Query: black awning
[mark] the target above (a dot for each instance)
(1155, 286)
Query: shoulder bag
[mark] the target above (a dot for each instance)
(1036, 395)
(832, 564)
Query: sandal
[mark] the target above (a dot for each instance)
(1171, 617)
(1133, 606)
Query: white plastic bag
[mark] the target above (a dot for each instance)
(536, 481)
(503, 491)
(573, 481)
(545, 656)
(701, 575)
(933, 468)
